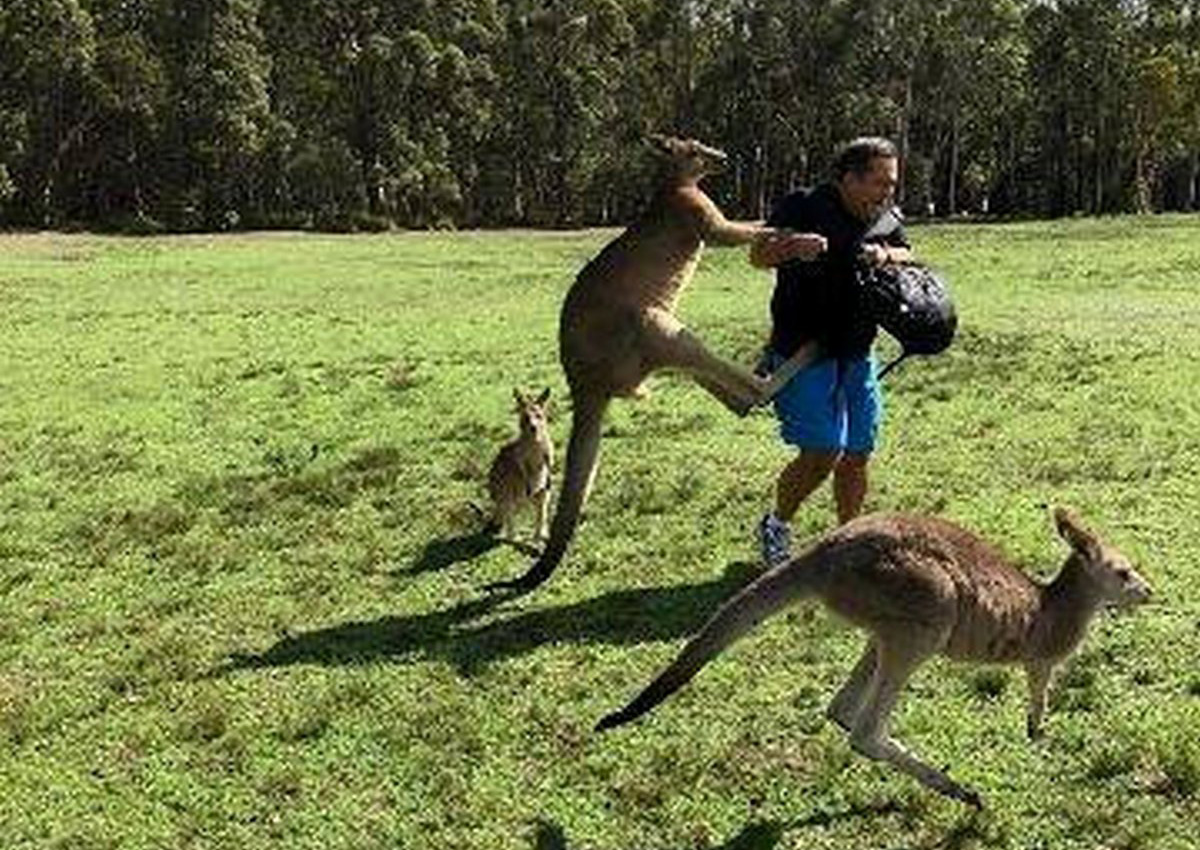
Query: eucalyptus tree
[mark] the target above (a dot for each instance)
(563, 70)
(118, 178)
(217, 70)
(1081, 63)
(1166, 109)
(973, 95)
(47, 55)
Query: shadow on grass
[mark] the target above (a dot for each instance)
(757, 835)
(761, 835)
(970, 831)
(441, 554)
(459, 635)
(444, 553)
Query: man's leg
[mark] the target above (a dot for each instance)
(796, 481)
(864, 413)
(850, 484)
(799, 478)
(810, 420)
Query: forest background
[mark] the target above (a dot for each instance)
(181, 115)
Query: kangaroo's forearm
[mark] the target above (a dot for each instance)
(731, 233)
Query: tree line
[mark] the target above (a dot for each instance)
(361, 114)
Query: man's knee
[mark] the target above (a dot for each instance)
(852, 462)
(820, 462)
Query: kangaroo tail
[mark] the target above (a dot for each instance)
(583, 452)
(737, 616)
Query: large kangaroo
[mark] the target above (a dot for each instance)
(921, 586)
(618, 325)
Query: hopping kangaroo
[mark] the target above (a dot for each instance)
(921, 586)
(618, 325)
(521, 471)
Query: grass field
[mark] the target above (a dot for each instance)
(240, 581)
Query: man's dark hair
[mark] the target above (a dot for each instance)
(858, 155)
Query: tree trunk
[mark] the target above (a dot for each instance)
(1193, 181)
(902, 140)
(952, 182)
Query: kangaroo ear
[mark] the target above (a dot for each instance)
(544, 397)
(1075, 533)
(519, 396)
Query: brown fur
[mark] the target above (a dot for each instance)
(921, 586)
(618, 325)
(520, 474)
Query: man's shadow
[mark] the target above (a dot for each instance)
(466, 636)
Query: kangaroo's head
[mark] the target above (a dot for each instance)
(531, 412)
(688, 159)
(1115, 579)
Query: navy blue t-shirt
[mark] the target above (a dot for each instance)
(818, 299)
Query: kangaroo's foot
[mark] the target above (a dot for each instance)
(763, 391)
(888, 750)
(740, 400)
(787, 370)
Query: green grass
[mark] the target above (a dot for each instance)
(240, 580)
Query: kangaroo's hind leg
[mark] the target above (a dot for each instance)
(542, 502)
(844, 707)
(869, 736)
(670, 345)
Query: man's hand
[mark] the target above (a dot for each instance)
(876, 254)
(880, 255)
(779, 246)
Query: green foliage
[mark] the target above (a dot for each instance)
(240, 573)
(244, 114)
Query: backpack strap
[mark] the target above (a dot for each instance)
(891, 365)
(885, 223)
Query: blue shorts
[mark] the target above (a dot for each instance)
(831, 405)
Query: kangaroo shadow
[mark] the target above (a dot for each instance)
(441, 554)
(462, 635)
(761, 835)
(444, 553)
(756, 835)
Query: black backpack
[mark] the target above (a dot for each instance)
(910, 302)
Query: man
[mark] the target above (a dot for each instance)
(831, 409)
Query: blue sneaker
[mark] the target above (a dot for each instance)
(774, 540)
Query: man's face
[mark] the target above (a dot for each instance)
(865, 195)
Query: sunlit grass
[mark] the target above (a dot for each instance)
(240, 578)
